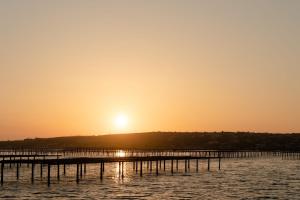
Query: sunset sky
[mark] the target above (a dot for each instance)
(98, 67)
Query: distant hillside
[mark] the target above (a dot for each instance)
(168, 140)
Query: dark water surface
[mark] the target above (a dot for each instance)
(264, 178)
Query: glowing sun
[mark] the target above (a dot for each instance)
(121, 121)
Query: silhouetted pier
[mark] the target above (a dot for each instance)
(80, 162)
(152, 160)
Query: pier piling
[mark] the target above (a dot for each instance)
(41, 170)
(2, 169)
(156, 167)
(17, 171)
(58, 172)
(32, 172)
(49, 174)
(77, 173)
(122, 170)
(208, 164)
(101, 171)
(141, 168)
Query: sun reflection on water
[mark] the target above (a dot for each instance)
(119, 176)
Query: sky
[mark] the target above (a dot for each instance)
(70, 67)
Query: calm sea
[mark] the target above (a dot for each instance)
(259, 178)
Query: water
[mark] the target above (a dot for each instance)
(260, 178)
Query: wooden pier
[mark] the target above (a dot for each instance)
(80, 162)
(154, 160)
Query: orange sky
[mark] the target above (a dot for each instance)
(70, 67)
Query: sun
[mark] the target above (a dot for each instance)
(121, 121)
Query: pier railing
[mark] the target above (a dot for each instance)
(96, 152)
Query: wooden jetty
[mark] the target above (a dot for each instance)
(80, 162)
(81, 157)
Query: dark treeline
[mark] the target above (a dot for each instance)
(168, 140)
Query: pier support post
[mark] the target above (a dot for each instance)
(84, 168)
(77, 173)
(101, 171)
(32, 172)
(219, 163)
(122, 169)
(80, 170)
(136, 167)
(148, 164)
(41, 170)
(2, 169)
(197, 165)
(156, 167)
(176, 165)
(119, 169)
(164, 165)
(159, 164)
(141, 170)
(172, 166)
(208, 164)
(49, 173)
(58, 172)
(17, 171)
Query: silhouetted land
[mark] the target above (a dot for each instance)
(169, 140)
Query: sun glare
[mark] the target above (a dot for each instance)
(120, 153)
(121, 121)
